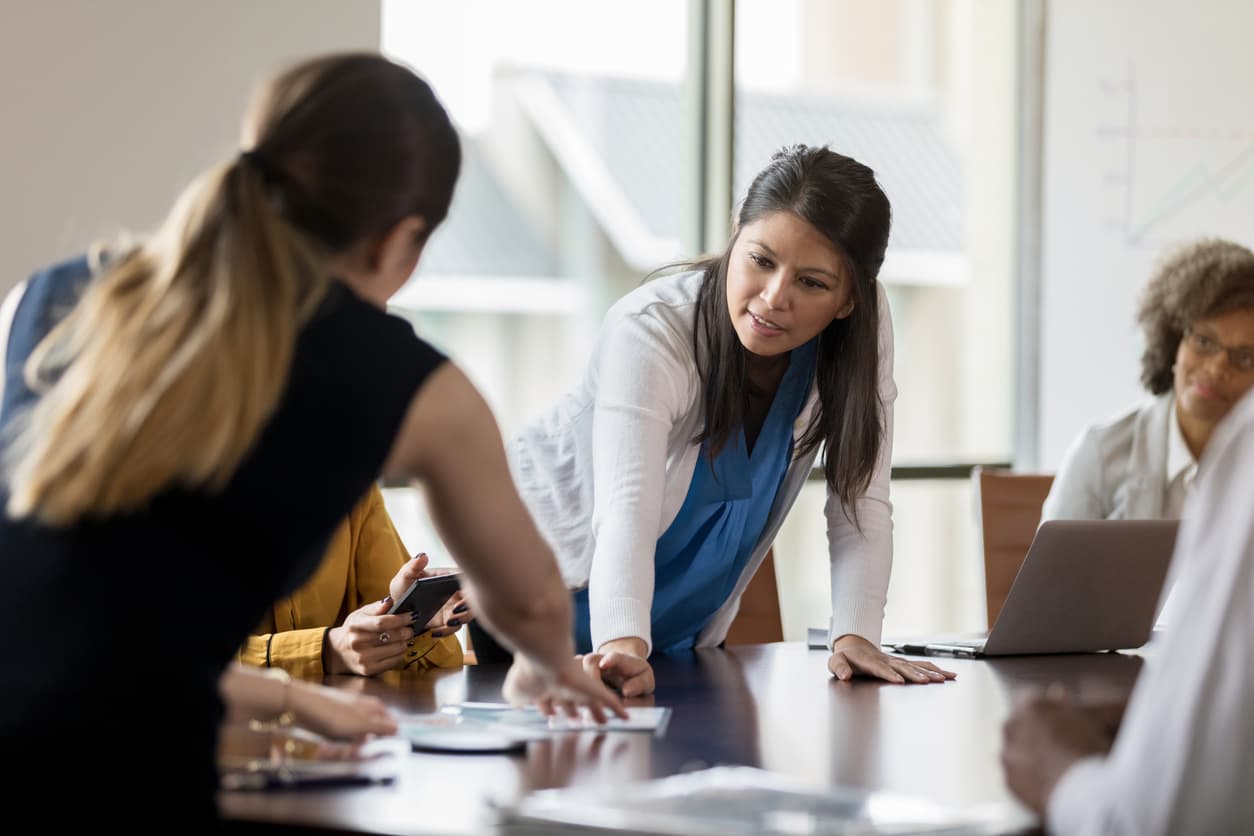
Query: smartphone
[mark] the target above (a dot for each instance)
(425, 596)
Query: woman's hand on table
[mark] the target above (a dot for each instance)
(622, 665)
(566, 689)
(853, 655)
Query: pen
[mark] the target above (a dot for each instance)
(956, 652)
(270, 780)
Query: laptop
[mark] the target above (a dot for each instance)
(1084, 586)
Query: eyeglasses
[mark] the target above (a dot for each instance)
(1240, 357)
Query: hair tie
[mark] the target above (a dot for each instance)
(290, 201)
(260, 164)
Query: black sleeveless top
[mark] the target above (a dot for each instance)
(113, 633)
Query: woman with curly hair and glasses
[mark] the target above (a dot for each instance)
(1197, 314)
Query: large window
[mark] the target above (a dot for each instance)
(924, 93)
(569, 114)
(584, 125)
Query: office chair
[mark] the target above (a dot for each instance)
(759, 620)
(1008, 507)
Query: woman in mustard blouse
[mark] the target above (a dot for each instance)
(332, 624)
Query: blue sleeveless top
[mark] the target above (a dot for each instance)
(702, 554)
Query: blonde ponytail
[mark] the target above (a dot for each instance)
(173, 361)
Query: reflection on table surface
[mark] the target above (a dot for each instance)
(769, 706)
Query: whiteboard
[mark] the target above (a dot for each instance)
(1148, 141)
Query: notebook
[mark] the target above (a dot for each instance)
(1084, 586)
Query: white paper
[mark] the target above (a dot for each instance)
(646, 719)
(739, 801)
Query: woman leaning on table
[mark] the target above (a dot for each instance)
(662, 479)
(332, 623)
(222, 395)
(247, 691)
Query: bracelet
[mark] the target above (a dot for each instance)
(286, 716)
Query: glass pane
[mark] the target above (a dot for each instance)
(924, 92)
(569, 114)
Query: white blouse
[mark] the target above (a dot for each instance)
(605, 472)
(1183, 761)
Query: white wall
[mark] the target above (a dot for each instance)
(1148, 142)
(109, 108)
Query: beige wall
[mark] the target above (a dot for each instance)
(109, 108)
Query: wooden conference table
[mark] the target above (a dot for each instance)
(770, 706)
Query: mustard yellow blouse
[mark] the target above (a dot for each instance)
(364, 554)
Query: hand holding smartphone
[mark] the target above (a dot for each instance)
(426, 596)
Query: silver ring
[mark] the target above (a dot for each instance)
(384, 638)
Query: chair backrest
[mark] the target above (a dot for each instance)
(759, 620)
(1009, 507)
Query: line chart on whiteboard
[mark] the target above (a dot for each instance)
(1164, 181)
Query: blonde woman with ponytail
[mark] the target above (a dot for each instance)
(212, 405)
(332, 623)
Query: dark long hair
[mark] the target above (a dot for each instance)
(839, 197)
(169, 368)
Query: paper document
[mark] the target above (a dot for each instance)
(499, 727)
(739, 801)
(650, 719)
